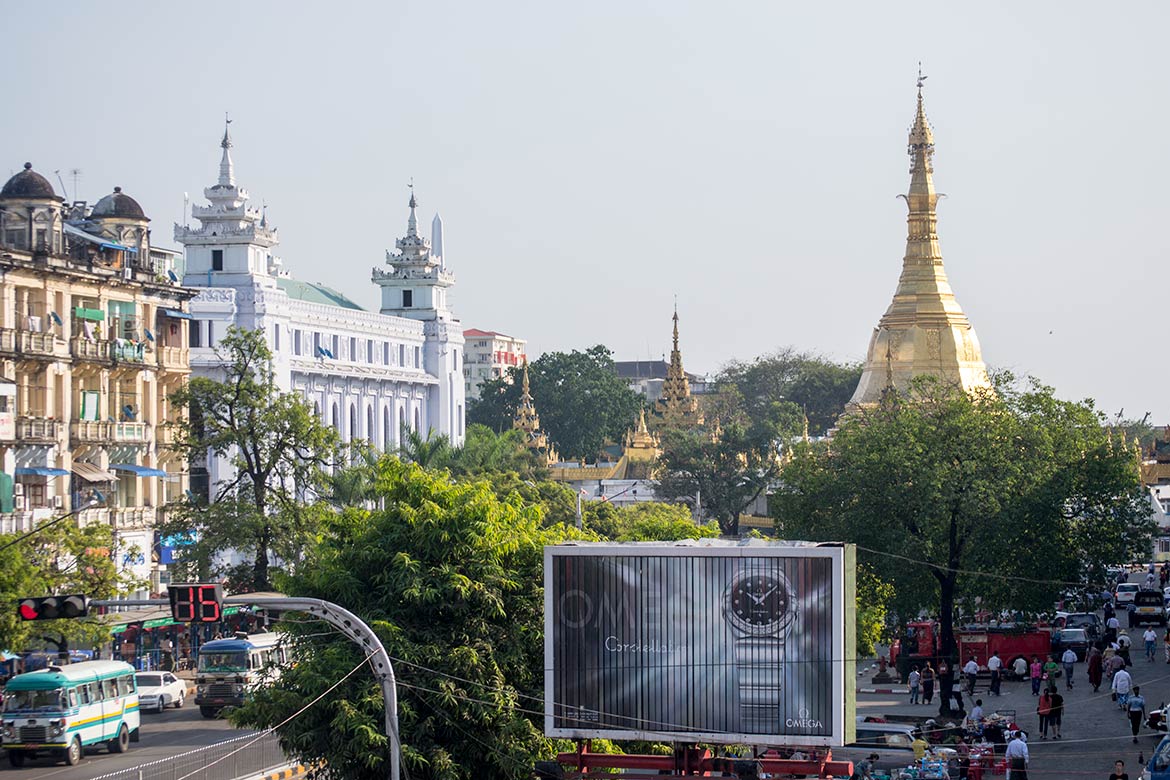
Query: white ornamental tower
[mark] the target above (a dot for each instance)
(415, 287)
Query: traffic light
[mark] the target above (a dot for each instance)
(53, 607)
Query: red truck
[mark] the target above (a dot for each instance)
(921, 644)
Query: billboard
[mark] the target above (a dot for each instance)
(704, 640)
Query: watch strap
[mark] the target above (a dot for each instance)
(759, 664)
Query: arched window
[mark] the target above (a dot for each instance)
(354, 433)
(336, 419)
(417, 419)
(371, 429)
(401, 424)
(387, 440)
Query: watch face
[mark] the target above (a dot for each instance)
(758, 602)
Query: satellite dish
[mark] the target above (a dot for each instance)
(149, 335)
(56, 319)
(172, 277)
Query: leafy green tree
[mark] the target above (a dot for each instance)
(581, 400)
(937, 484)
(821, 387)
(644, 522)
(60, 559)
(448, 576)
(874, 596)
(485, 452)
(277, 447)
(432, 451)
(730, 461)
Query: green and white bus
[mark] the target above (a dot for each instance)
(64, 709)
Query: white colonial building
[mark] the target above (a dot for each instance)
(371, 375)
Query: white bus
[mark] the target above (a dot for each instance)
(230, 668)
(64, 709)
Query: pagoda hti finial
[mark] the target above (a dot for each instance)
(412, 221)
(227, 176)
(226, 143)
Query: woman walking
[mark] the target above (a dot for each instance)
(928, 683)
(1044, 710)
(1036, 670)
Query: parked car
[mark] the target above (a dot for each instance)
(1076, 639)
(158, 690)
(1089, 621)
(1148, 606)
(1125, 592)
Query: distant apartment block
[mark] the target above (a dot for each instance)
(489, 355)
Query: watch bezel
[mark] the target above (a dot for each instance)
(774, 628)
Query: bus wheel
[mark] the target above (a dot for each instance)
(73, 753)
(16, 758)
(208, 712)
(122, 743)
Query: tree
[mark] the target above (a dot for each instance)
(937, 485)
(821, 387)
(448, 576)
(485, 452)
(731, 461)
(60, 559)
(581, 400)
(276, 446)
(644, 522)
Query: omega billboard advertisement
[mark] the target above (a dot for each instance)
(706, 640)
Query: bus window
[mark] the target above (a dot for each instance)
(72, 697)
(109, 689)
(83, 694)
(125, 685)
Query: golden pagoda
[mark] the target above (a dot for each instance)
(640, 450)
(527, 420)
(676, 407)
(924, 331)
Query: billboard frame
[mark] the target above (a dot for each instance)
(842, 557)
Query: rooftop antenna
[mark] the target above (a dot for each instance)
(62, 183)
(921, 79)
(186, 208)
(76, 174)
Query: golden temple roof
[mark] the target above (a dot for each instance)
(924, 330)
(676, 407)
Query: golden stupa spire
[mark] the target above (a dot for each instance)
(924, 330)
(676, 407)
(526, 419)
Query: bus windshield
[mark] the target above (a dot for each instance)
(223, 662)
(42, 701)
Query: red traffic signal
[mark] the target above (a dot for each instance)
(53, 607)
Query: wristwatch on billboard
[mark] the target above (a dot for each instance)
(759, 608)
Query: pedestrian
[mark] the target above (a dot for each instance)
(1069, 660)
(1150, 638)
(1016, 756)
(1056, 713)
(919, 746)
(1112, 625)
(995, 666)
(1122, 684)
(927, 683)
(975, 716)
(1135, 707)
(1051, 667)
(914, 679)
(1020, 668)
(1036, 672)
(864, 769)
(1095, 667)
(963, 754)
(1107, 609)
(1044, 711)
(1119, 772)
(971, 669)
(1123, 644)
(1114, 664)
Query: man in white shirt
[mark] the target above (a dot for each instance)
(1017, 758)
(995, 666)
(971, 669)
(1122, 685)
(1111, 626)
(1150, 638)
(1068, 659)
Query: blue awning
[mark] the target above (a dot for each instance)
(141, 471)
(178, 315)
(40, 471)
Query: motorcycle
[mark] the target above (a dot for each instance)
(1157, 719)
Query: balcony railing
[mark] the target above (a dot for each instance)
(174, 357)
(91, 431)
(128, 352)
(7, 340)
(44, 344)
(124, 518)
(132, 432)
(90, 349)
(36, 429)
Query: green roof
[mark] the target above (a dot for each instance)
(315, 293)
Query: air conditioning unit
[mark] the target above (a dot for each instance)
(18, 489)
(58, 502)
(127, 273)
(19, 503)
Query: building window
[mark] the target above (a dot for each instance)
(276, 338)
(316, 345)
(369, 350)
(353, 353)
(1164, 545)
(417, 360)
(407, 298)
(402, 355)
(296, 342)
(42, 240)
(216, 259)
(336, 346)
(14, 238)
(195, 334)
(210, 333)
(386, 353)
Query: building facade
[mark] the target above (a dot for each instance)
(371, 375)
(93, 341)
(489, 356)
(924, 330)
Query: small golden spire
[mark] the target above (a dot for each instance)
(806, 439)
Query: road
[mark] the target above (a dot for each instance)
(162, 736)
(1095, 732)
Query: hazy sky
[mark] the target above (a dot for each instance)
(593, 160)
